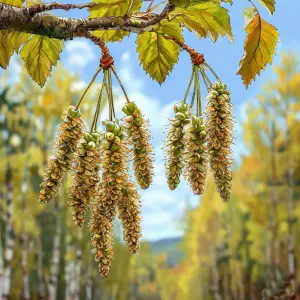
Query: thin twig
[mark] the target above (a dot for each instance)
(149, 6)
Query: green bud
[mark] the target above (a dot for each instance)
(109, 136)
(110, 125)
(202, 134)
(95, 135)
(88, 137)
(72, 112)
(117, 130)
(180, 116)
(222, 115)
(114, 147)
(178, 107)
(117, 140)
(91, 145)
(138, 122)
(129, 108)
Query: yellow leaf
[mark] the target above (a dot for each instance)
(40, 53)
(157, 54)
(269, 4)
(117, 8)
(259, 48)
(206, 20)
(6, 49)
(17, 3)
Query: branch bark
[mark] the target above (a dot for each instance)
(31, 20)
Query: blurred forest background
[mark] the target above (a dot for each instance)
(246, 249)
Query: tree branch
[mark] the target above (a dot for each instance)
(30, 20)
(38, 8)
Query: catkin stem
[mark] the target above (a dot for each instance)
(194, 95)
(111, 92)
(84, 93)
(211, 69)
(108, 97)
(199, 111)
(120, 83)
(204, 79)
(96, 116)
(190, 84)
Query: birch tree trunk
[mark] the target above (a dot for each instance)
(24, 243)
(40, 271)
(1, 268)
(9, 238)
(78, 272)
(274, 202)
(24, 239)
(52, 285)
(215, 277)
(290, 185)
(70, 271)
(89, 284)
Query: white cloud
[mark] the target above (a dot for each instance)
(125, 56)
(79, 53)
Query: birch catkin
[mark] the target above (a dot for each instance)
(70, 132)
(130, 215)
(219, 124)
(195, 155)
(137, 129)
(86, 177)
(114, 153)
(174, 144)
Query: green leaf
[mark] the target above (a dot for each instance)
(40, 53)
(17, 3)
(259, 47)
(269, 4)
(118, 8)
(158, 54)
(10, 41)
(206, 20)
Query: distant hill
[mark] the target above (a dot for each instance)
(169, 246)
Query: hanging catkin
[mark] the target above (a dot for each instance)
(86, 177)
(113, 155)
(219, 124)
(195, 155)
(137, 129)
(70, 132)
(101, 230)
(174, 144)
(130, 215)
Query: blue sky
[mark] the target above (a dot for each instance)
(163, 209)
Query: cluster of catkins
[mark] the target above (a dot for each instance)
(193, 142)
(100, 179)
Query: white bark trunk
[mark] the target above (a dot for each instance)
(52, 285)
(26, 290)
(89, 284)
(9, 239)
(215, 277)
(40, 272)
